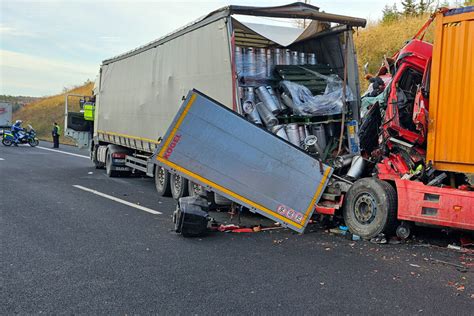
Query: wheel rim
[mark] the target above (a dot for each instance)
(196, 189)
(365, 208)
(161, 176)
(177, 182)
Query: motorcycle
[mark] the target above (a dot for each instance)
(25, 137)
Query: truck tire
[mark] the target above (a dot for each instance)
(370, 208)
(221, 201)
(162, 181)
(179, 186)
(195, 189)
(97, 163)
(108, 165)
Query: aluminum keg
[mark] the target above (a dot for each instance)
(250, 63)
(294, 58)
(301, 58)
(357, 167)
(277, 100)
(280, 131)
(293, 134)
(267, 99)
(287, 100)
(312, 59)
(287, 57)
(301, 132)
(251, 112)
(261, 65)
(319, 132)
(277, 56)
(238, 59)
(266, 115)
(269, 62)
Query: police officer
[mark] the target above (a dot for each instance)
(56, 132)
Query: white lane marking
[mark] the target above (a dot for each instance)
(1, 159)
(63, 152)
(113, 198)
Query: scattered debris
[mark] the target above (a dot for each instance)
(460, 268)
(415, 265)
(380, 239)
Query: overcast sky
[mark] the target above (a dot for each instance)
(48, 45)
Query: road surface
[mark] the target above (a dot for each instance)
(73, 241)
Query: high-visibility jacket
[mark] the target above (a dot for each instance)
(56, 130)
(89, 109)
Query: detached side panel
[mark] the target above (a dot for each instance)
(219, 149)
(450, 136)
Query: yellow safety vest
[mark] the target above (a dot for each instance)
(89, 110)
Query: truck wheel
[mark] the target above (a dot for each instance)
(195, 189)
(404, 230)
(370, 208)
(221, 201)
(108, 166)
(162, 181)
(179, 186)
(97, 163)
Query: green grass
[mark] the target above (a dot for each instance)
(43, 113)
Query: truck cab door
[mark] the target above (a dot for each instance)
(79, 125)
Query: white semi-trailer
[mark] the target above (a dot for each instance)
(138, 93)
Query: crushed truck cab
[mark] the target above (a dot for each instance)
(219, 149)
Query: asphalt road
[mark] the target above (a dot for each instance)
(66, 250)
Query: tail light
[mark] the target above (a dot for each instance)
(119, 155)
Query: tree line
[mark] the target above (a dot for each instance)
(410, 8)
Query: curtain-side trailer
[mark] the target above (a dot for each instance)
(137, 94)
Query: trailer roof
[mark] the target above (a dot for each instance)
(295, 10)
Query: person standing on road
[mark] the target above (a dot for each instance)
(56, 132)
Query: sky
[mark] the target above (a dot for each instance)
(48, 45)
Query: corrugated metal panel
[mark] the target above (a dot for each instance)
(450, 136)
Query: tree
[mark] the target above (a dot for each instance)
(424, 7)
(390, 13)
(409, 7)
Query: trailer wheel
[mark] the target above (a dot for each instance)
(221, 200)
(195, 189)
(108, 166)
(179, 186)
(162, 181)
(97, 163)
(370, 208)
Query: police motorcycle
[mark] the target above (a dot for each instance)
(26, 136)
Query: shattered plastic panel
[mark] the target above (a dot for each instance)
(219, 149)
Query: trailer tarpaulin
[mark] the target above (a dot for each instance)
(148, 87)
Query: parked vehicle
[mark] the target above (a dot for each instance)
(28, 137)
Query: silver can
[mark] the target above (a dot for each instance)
(251, 112)
(302, 58)
(294, 58)
(280, 131)
(293, 134)
(312, 59)
(267, 116)
(287, 100)
(267, 99)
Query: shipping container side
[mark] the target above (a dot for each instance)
(140, 94)
(450, 137)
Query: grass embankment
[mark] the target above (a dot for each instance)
(43, 113)
(379, 39)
